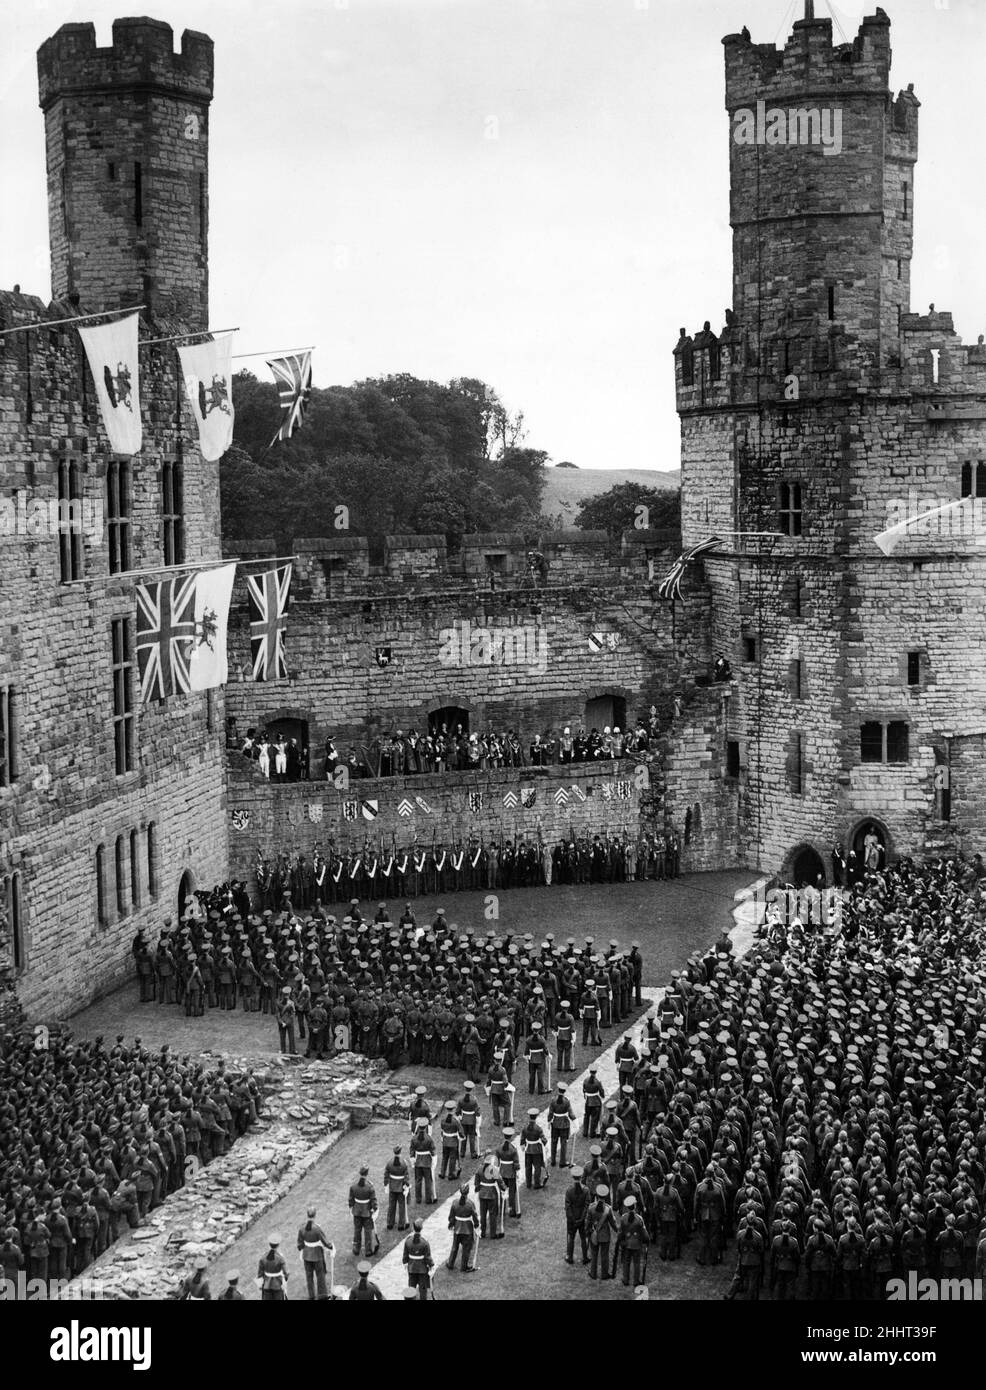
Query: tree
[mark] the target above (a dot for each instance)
(402, 454)
(617, 510)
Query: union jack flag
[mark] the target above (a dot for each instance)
(294, 384)
(670, 585)
(165, 636)
(268, 595)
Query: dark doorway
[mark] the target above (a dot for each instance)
(869, 838)
(807, 867)
(449, 715)
(606, 709)
(296, 729)
(185, 888)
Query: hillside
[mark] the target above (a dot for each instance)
(567, 488)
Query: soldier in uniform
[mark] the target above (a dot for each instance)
(492, 1192)
(709, 1214)
(497, 1082)
(594, 1093)
(785, 1265)
(397, 1181)
(632, 1241)
(671, 1217)
(194, 1287)
(533, 1142)
(453, 1137)
(422, 1150)
(536, 1054)
(364, 1290)
(565, 1033)
(509, 1160)
(576, 1208)
(749, 1263)
(470, 1118)
(313, 1244)
(272, 1272)
(418, 1259)
(463, 1222)
(231, 1293)
(561, 1121)
(363, 1205)
(589, 1013)
(285, 1021)
(601, 1226)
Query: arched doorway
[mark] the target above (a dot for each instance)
(449, 715)
(869, 836)
(605, 710)
(186, 886)
(805, 867)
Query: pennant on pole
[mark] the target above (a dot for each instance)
(207, 372)
(112, 352)
(208, 665)
(293, 375)
(268, 597)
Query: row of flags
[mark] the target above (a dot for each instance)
(207, 371)
(182, 628)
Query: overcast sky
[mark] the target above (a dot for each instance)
(533, 192)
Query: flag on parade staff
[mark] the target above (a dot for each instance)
(670, 585)
(268, 597)
(294, 384)
(165, 636)
(112, 352)
(208, 666)
(207, 371)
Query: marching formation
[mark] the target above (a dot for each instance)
(93, 1138)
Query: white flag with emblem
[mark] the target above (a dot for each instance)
(208, 373)
(207, 665)
(112, 352)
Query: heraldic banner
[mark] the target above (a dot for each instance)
(207, 666)
(207, 370)
(112, 352)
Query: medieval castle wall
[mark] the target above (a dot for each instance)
(66, 812)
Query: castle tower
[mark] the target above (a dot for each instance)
(821, 412)
(127, 138)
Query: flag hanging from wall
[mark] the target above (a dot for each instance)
(293, 376)
(165, 636)
(181, 633)
(670, 585)
(207, 370)
(112, 352)
(208, 665)
(268, 598)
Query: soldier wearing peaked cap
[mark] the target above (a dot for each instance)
(561, 1122)
(423, 1153)
(491, 1191)
(565, 1034)
(594, 1093)
(463, 1222)
(397, 1181)
(509, 1160)
(231, 1293)
(577, 1200)
(418, 1260)
(603, 1229)
(194, 1288)
(365, 1290)
(313, 1245)
(471, 1119)
(533, 1143)
(536, 1055)
(363, 1205)
(272, 1272)
(453, 1137)
(632, 1242)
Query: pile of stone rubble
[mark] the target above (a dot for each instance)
(308, 1106)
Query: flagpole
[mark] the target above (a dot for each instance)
(270, 352)
(177, 337)
(183, 569)
(79, 318)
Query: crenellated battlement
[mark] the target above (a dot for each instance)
(809, 60)
(409, 569)
(141, 55)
